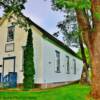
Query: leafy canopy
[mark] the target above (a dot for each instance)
(12, 5)
(78, 4)
(86, 53)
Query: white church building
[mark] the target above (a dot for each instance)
(55, 63)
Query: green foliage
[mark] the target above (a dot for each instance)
(29, 70)
(97, 15)
(12, 5)
(77, 4)
(86, 53)
(22, 22)
(68, 26)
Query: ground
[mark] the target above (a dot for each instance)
(71, 92)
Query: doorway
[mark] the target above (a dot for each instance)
(8, 65)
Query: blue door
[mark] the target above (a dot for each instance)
(0, 77)
(12, 79)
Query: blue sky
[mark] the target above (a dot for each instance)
(41, 13)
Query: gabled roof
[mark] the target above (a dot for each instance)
(47, 35)
(55, 40)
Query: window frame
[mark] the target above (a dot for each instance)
(13, 47)
(0, 77)
(74, 63)
(8, 37)
(57, 53)
(68, 65)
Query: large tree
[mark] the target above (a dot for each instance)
(90, 33)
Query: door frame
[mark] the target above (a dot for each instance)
(8, 58)
(0, 77)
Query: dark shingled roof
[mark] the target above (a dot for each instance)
(49, 36)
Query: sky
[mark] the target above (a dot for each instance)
(41, 13)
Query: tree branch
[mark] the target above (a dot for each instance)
(2, 4)
(95, 9)
(83, 25)
(96, 13)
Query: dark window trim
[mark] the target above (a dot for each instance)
(68, 65)
(74, 61)
(7, 58)
(0, 77)
(13, 34)
(58, 67)
(9, 50)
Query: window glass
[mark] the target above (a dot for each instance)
(74, 61)
(11, 31)
(67, 65)
(57, 61)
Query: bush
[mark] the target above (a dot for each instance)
(29, 70)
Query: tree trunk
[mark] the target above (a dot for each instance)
(95, 58)
(92, 39)
(95, 49)
(85, 74)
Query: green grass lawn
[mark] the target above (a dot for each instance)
(71, 92)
